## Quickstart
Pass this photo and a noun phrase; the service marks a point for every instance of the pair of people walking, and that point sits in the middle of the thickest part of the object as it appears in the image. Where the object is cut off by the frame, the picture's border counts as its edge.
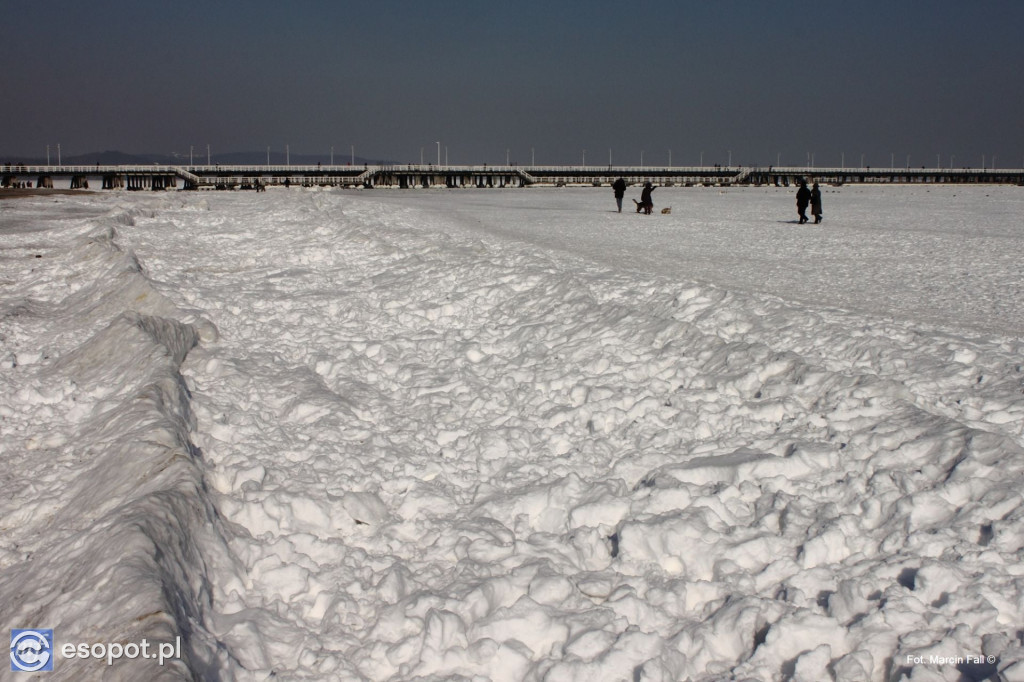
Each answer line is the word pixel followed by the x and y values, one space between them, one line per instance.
pixel 646 203
pixel 806 196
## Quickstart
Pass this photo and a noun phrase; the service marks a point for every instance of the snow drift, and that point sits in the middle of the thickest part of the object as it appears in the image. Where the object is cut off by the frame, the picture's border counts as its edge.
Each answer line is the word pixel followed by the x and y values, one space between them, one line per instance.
pixel 437 435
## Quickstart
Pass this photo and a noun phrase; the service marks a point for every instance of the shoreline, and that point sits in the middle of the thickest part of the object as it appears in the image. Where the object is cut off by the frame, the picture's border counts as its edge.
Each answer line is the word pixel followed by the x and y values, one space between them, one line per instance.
pixel 11 193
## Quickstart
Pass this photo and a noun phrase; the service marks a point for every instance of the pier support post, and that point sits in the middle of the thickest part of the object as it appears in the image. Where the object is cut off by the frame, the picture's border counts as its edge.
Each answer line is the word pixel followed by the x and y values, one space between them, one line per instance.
pixel 111 181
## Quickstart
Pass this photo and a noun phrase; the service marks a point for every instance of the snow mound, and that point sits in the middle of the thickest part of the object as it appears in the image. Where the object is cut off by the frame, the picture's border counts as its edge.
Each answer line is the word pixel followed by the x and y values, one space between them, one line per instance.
pixel 103 517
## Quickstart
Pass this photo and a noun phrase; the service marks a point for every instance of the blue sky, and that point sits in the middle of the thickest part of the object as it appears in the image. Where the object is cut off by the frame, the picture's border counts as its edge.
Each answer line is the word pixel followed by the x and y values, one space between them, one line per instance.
pixel 754 82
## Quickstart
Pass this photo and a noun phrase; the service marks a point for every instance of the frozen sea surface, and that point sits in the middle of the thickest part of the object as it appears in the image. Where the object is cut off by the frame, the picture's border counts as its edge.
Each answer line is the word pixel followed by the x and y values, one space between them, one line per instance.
pixel 940 254
pixel 512 435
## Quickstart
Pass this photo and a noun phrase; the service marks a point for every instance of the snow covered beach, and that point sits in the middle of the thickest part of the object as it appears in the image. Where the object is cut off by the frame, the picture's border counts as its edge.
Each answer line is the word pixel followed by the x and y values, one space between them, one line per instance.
pixel 514 435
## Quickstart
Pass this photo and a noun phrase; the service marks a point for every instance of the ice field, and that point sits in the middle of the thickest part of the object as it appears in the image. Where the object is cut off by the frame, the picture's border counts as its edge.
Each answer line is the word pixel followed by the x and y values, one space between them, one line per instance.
pixel 515 435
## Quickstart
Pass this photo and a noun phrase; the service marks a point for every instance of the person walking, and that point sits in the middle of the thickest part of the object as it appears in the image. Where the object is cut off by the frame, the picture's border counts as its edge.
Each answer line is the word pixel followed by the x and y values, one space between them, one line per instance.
pixel 619 187
pixel 803 197
pixel 816 203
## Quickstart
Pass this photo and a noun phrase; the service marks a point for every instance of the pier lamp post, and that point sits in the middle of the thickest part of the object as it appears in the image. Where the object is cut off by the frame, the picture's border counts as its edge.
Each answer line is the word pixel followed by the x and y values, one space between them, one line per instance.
pixel 584 158
pixel 438 153
pixel 669 158
pixel 352 158
pixel 641 158
pixel 190 156
pixel 47 155
pixel 332 156
pixel 207 154
pixel 58 155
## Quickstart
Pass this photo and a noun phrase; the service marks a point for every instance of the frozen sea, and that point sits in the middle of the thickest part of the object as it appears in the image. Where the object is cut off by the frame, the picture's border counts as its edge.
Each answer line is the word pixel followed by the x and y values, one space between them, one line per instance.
pixel 316 434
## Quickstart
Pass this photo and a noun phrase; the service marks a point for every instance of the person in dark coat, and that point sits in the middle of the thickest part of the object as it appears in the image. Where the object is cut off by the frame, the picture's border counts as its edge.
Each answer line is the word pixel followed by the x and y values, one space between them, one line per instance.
pixel 803 197
pixel 645 198
pixel 816 203
pixel 619 186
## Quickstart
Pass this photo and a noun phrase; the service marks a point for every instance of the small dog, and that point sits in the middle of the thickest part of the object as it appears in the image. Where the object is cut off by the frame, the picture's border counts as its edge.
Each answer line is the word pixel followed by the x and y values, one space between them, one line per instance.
pixel 666 210
pixel 641 207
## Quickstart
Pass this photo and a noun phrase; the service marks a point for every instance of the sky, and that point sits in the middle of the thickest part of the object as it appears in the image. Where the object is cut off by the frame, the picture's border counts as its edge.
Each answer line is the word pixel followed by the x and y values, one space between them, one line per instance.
pixel 652 82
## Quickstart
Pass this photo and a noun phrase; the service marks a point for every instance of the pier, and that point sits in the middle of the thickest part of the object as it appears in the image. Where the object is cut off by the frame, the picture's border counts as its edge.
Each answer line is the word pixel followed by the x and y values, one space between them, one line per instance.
pixel 407 176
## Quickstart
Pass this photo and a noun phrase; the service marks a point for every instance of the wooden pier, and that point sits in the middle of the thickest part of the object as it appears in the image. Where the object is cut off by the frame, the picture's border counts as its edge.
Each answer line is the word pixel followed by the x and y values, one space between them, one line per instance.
pixel 158 177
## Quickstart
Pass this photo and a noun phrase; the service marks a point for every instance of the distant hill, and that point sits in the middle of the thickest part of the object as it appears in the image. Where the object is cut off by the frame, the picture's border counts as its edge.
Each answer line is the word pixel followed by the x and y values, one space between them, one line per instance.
pixel 114 158
pixel 102 158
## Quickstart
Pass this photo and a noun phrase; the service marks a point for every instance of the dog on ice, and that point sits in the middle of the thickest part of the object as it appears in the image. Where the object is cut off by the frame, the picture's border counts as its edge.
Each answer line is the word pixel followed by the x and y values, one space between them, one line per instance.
pixel 643 207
